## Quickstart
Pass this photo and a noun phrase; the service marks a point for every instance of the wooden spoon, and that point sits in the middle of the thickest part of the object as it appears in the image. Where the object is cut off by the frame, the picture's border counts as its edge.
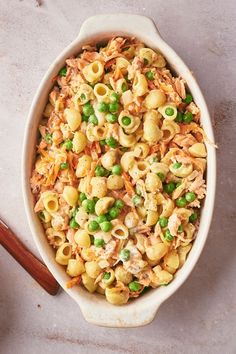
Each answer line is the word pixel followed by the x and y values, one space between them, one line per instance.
pixel 27 260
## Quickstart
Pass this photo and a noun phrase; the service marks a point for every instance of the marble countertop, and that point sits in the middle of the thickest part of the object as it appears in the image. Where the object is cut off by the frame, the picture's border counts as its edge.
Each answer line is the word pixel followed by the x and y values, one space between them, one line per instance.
pixel 201 316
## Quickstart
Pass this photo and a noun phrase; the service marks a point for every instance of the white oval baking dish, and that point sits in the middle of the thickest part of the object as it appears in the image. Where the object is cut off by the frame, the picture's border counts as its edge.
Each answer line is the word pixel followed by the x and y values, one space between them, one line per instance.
pixel 94 307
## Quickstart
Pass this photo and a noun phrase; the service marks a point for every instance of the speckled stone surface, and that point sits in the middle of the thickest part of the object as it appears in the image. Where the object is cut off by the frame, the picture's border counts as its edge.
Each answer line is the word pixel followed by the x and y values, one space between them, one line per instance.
pixel 201 316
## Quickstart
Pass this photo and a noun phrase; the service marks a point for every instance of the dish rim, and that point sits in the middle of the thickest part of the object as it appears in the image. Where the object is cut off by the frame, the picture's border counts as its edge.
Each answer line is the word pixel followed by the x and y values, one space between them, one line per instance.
pixel 143 309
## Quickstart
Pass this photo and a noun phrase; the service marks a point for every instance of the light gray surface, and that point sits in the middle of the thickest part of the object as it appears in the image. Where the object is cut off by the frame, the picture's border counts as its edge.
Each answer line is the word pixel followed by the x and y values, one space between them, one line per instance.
pixel 201 316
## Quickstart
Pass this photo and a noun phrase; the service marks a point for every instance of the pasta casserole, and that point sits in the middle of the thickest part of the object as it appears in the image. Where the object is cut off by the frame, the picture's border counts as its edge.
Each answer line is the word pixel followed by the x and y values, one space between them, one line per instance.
pixel 118 179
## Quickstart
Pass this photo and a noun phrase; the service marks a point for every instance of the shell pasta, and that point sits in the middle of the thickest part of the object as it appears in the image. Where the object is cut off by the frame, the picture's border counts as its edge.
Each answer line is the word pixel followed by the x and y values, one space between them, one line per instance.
pixel 118 179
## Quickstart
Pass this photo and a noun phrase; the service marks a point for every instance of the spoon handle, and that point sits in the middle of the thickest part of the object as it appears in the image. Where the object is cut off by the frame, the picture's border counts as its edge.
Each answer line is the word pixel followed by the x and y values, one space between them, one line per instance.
pixel 27 260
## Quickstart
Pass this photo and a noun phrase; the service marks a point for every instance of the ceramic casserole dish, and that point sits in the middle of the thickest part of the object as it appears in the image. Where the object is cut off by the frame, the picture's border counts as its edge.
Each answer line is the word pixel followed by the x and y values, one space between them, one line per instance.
pixel 94 307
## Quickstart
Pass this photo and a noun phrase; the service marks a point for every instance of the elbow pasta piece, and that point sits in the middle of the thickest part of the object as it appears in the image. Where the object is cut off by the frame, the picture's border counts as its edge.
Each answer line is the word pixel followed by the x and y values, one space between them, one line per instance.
pixel 164 109
pixel 152 217
pixel 79 142
pixel 152 182
pixel 140 86
pixel 99 187
pixel 64 253
pixel 125 139
pixel 93 71
pixel 139 170
pixel 198 150
pixel 157 251
pixel 70 194
pixel 92 269
pixel 101 92
pixel 141 150
pixel 55 238
pixel 73 118
pixel 117 295
pixel 155 99
pixel 123 275
pixel 108 159
pixel 131 220
pixel 75 267
pixel 183 171
pixel 115 182
pixel 122 64
pixel 103 205
pixel 84 94
pixel 127 160
pixel 50 201
pixel 83 166
pixel 169 129
pixel 113 158
pixel 82 238
pixel 120 231
pixel 89 283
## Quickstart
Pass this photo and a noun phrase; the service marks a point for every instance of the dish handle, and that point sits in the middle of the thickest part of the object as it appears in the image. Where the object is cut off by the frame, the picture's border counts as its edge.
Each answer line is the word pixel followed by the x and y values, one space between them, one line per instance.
pixel 136 25
pixel 134 314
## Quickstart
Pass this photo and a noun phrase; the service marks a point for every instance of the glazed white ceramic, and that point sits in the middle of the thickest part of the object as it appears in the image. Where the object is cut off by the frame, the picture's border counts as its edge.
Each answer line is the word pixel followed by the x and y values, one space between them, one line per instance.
pixel 94 307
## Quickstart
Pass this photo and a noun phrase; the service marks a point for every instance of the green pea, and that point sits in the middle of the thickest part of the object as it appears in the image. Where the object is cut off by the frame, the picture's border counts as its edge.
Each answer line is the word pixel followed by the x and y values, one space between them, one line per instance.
pixel 114 97
pixel 113 107
pixel 126 120
pixel 102 142
pixel 87 109
pixel 178 184
pixel 188 98
pixel 84 118
pixel 82 197
pixel 163 221
pixel 190 197
pixel 111 118
pixel 180 228
pixel 101 218
pixel 193 217
pixel 82 97
pixel 168 236
pixel 169 111
pixel 106 226
pixel 111 142
pixel 74 224
pixel 124 255
pixel 134 286
pixel 179 117
pixel 124 87
pixel 181 202
pixel 100 171
pixel 119 204
pixel 68 144
pixel 89 206
pixel 145 61
pixel 106 275
pixel 63 72
pixel 149 75
pixel 64 166
pixel 177 165
pixel 93 119
pixel 169 187
pixel 187 117
pixel 137 200
pixel 93 226
pixel 161 176
pixel 48 138
pixel 116 170
pixel 99 242
pixel 108 217
pixel 103 107
pixel 114 212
